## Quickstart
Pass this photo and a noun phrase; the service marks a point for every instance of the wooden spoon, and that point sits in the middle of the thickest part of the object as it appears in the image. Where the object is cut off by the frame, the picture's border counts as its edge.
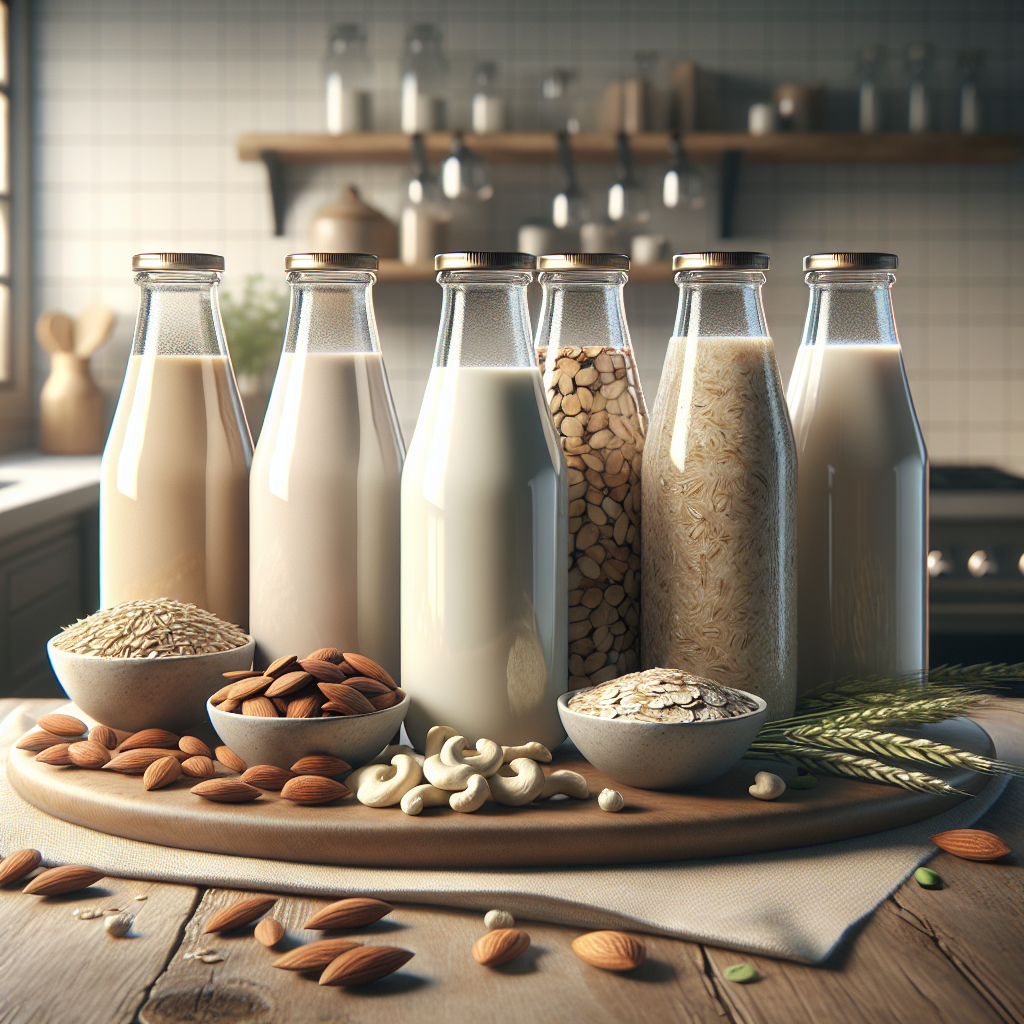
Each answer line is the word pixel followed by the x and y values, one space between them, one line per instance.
pixel 55 331
pixel 92 329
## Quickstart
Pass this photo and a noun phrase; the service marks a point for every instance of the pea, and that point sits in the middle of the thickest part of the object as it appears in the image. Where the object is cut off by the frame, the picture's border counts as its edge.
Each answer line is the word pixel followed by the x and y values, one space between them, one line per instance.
pixel 928 879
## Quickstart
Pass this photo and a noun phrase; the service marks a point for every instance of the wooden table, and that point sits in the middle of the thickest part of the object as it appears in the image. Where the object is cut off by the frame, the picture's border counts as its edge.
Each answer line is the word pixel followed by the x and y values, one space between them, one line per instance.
pixel 951 955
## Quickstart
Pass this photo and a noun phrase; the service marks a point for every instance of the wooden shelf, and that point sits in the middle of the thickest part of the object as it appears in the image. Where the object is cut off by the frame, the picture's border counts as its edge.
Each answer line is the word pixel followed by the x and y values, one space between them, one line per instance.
pixel 397 272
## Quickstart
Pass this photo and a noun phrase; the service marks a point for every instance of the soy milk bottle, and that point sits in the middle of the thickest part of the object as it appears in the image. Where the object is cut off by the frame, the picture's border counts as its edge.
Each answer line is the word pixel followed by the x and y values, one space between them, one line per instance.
pixel 484 520
pixel 324 492
pixel 174 483
pixel 863 484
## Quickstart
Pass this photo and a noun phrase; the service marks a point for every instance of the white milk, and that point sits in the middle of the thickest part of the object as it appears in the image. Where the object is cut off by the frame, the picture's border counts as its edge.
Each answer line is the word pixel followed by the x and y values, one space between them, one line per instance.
pixel 863 486
pixel 324 499
pixel 484 615
pixel 174 508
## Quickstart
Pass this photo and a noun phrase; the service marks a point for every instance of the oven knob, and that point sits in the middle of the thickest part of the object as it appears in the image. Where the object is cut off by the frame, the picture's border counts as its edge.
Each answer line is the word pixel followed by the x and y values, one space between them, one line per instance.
pixel 938 566
pixel 979 564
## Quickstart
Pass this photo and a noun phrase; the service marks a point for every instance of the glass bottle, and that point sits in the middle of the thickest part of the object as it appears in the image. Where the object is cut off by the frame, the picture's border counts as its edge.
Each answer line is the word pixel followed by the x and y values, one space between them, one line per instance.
pixel 424 81
pixel 718 536
pixel 863 495
pixel 484 614
pixel 869 107
pixel 487 108
pixel 174 485
pixel 594 395
pixel 324 489
pixel 918 108
pixel 348 77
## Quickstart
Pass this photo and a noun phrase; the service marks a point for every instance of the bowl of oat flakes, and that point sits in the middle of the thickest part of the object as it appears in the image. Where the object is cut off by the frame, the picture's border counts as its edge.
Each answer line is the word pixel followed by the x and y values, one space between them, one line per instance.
pixel 662 728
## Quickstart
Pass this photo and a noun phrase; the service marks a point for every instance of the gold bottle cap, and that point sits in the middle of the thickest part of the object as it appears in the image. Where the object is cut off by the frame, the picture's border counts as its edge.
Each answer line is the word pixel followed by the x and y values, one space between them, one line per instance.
pixel 485 261
pixel 851 261
pixel 177 261
pixel 720 261
pixel 330 261
pixel 584 261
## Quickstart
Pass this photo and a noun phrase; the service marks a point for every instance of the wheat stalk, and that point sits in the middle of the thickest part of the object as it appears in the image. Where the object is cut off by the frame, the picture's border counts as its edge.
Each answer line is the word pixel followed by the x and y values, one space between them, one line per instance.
pixel 917 711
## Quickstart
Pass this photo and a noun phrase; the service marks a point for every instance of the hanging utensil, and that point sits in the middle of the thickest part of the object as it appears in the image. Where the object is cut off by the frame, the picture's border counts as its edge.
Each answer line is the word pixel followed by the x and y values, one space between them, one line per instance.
pixel 91 330
pixel 682 182
pixel 463 174
pixel 627 200
pixel 570 207
pixel 55 331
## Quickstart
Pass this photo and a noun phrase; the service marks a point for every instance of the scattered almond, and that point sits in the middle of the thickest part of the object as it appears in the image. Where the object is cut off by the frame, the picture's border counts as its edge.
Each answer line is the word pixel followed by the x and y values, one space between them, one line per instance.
pixel 198 767
pixel 971 844
pixel 18 864
pixel 57 754
pixel 267 776
pixel 364 964
pixel 500 946
pixel 226 791
pixel 314 956
pixel 88 754
pixel 104 735
pixel 161 772
pixel 259 707
pixel 194 747
pixel 150 738
pixel 269 932
pixel 354 912
pixel 135 762
pixel 39 739
pixel 320 764
pixel 363 666
pixel 611 951
pixel 228 918
pixel 229 759
pixel 313 789
pixel 58 881
pixel 62 725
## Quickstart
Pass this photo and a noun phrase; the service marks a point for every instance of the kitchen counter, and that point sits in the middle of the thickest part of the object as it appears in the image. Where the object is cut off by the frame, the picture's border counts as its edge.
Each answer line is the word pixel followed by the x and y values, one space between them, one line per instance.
pixel 36 489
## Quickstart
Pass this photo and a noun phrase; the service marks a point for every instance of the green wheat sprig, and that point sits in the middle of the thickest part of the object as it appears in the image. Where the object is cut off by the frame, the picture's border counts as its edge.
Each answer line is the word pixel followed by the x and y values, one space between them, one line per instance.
pixel 917 711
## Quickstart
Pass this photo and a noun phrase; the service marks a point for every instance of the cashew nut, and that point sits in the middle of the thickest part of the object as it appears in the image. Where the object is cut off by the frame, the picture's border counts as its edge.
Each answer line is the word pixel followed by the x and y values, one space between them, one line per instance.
pixel 569 783
pixel 610 800
pixel 494 919
pixel 454 778
pixel 436 739
pixel 423 796
pixel 485 762
pixel 398 748
pixel 472 797
pixel 767 786
pixel 383 785
pixel 534 751
pixel 524 785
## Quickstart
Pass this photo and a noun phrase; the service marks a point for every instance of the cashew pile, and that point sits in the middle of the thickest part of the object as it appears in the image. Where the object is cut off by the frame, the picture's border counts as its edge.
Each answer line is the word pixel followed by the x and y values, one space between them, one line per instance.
pixel 450 772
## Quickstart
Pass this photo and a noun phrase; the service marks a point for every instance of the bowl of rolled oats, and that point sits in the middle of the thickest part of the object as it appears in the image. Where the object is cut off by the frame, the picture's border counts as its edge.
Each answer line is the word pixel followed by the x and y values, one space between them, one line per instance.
pixel 662 728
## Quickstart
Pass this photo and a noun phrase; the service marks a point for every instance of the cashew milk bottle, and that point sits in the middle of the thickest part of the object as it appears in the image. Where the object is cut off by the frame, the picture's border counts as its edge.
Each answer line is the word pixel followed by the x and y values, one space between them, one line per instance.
pixel 174 483
pixel 484 533
pixel 863 480
pixel 324 493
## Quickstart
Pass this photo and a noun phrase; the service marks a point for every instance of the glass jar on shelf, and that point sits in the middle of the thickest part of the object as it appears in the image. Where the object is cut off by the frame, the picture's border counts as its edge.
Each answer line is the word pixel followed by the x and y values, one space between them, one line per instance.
pixel 425 81
pixel 349 78
pixel 487 107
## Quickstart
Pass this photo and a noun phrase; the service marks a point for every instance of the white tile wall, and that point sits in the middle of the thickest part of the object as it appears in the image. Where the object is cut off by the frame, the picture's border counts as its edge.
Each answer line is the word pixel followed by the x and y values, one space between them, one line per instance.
pixel 139 102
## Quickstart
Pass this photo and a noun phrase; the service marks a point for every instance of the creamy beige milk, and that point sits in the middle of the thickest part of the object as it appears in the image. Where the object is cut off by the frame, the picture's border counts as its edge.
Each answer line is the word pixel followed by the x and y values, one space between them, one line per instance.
pixel 862 514
pixel 324 500
pixel 174 494
pixel 484 559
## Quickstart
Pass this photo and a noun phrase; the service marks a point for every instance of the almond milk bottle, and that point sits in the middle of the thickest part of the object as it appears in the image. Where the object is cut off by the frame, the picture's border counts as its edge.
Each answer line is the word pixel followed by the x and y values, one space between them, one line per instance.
pixel 324 493
pixel 174 485
pixel 484 498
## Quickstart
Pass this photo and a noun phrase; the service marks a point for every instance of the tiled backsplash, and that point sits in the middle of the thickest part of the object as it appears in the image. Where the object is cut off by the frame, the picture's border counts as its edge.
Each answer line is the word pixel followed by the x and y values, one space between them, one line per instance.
pixel 139 103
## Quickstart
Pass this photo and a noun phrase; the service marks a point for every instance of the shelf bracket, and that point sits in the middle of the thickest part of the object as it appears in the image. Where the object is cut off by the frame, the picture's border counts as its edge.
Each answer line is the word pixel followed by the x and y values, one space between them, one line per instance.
pixel 730 174
pixel 278 187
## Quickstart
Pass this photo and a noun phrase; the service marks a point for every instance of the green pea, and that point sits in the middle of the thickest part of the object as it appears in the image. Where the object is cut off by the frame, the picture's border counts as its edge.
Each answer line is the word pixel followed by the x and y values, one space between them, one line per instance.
pixel 803 782
pixel 928 879
pixel 743 974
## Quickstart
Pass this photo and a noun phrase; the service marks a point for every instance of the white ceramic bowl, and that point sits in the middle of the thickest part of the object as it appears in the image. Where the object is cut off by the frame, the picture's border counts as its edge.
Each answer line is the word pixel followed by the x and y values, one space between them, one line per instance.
pixel 143 693
pixel 282 741
pixel 661 755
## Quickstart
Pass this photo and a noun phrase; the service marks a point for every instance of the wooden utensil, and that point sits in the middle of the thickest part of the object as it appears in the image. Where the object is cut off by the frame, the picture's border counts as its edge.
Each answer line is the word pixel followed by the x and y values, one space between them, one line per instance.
pixel 92 328
pixel 55 331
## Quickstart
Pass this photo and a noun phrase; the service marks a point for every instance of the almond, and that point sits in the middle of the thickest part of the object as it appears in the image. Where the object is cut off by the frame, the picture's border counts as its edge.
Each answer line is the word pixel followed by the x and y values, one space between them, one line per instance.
pixel 241 673
pixel 346 697
pixel 282 706
pixel 194 747
pixel 288 683
pixel 363 666
pixel 323 671
pixel 162 772
pixel 267 776
pixel 313 789
pixel 228 918
pixel 229 759
pixel 314 956
pixel 281 665
pixel 259 707
pixel 320 764
pixel 62 725
pixel 247 688
pixel 386 700
pixel 88 754
pixel 224 692
pixel 355 912
pixel 198 767
pixel 971 844
pixel 104 735
pixel 229 705
pixel 366 686
pixel 499 946
pixel 150 738
pixel 58 881
pixel 18 864
pixel 226 791
pixel 611 951
pixel 331 654
pixel 135 762
pixel 39 739
pixel 307 706
pixel 269 932
pixel 57 754
pixel 364 964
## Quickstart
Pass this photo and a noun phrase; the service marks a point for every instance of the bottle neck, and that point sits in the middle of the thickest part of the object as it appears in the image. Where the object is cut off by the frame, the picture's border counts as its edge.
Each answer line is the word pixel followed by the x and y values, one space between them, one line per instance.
pixel 485 320
pixel 582 309
pixel 331 311
pixel 850 308
pixel 717 303
pixel 179 314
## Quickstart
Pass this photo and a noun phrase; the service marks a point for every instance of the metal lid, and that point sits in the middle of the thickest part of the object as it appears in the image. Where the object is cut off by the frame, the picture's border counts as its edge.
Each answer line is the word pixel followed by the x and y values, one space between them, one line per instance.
pixel 177 261
pixel 584 261
pixel 720 261
pixel 485 261
pixel 851 261
pixel 330 261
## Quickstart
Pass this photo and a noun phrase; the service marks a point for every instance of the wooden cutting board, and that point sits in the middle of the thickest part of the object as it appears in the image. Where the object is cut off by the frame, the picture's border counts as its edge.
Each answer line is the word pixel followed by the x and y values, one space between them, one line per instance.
pixel 715 820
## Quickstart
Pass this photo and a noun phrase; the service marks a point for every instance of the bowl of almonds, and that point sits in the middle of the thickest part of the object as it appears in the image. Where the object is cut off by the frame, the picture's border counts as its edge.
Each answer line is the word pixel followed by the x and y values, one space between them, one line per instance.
pixel 662 728
pixel 328 702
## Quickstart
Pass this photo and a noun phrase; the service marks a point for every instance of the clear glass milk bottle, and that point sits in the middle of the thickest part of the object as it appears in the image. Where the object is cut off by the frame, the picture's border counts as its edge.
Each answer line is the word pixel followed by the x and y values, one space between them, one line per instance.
pixel 324 490
pixel 718 579
pixel 594 395
pixel 484 613
pixel 174 486
pixel 863 493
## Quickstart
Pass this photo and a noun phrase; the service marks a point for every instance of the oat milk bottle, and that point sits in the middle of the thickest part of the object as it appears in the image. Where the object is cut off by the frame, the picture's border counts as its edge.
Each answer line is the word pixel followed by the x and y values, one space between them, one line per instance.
pixel 324 492
pixel 863 493
pixel 484 502
pixel 174 485
pixel 718 576
pixel 594 394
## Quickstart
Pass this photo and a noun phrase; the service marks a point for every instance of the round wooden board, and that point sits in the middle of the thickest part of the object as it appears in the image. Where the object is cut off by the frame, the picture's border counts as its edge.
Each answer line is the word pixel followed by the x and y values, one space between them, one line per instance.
pixel 715 820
